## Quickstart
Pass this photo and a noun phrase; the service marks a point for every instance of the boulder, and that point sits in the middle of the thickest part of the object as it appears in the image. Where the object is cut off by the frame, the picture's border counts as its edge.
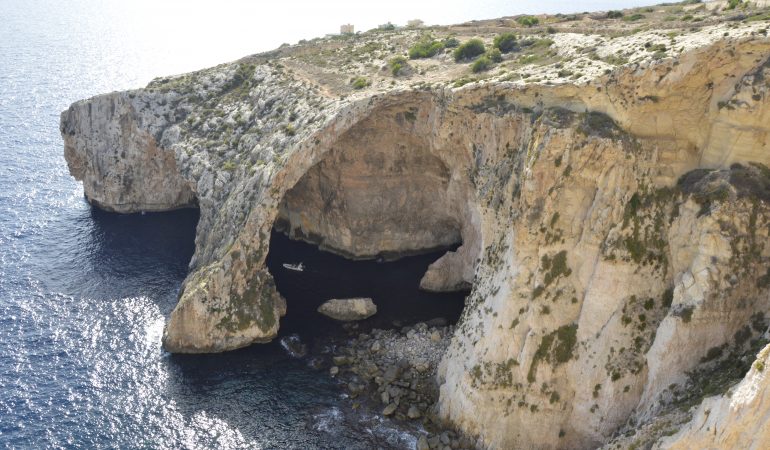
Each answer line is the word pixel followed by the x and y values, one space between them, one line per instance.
pixel 340 360
pixel 389 410
pixel 437 322
pixel 348 309
pixel 413 413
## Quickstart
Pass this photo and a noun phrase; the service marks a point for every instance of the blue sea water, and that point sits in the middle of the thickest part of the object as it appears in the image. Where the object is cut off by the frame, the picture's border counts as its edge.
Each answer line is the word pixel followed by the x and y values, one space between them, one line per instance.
pixel 84 294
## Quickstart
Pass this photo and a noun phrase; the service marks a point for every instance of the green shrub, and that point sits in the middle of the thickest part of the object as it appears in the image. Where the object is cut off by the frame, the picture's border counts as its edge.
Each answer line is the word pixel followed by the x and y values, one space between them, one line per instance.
pixel 614 14
pixel 451 42
pixel 494 55
pixel 759 16
pixel 732 4
pixel 425 48
pixel 229 166
pixel 463 81
pixel 536 43
pixel 615 60
pixel 633 17
pixel 668 297
pixel 396 64
pixel 556 348
pixel 469 49
pixel 712 354
pixel 360 83
pixel 528 21
pixel 685 313
pixel 654 47
pixel 649 304
pixel 505 42
pixel 555 267
pixel 528 59
pixel 481 64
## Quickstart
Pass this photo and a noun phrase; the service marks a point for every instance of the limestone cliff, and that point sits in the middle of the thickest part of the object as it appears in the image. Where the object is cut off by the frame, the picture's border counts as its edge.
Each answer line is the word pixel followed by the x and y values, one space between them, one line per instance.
pixel 607 182
pixel 738 419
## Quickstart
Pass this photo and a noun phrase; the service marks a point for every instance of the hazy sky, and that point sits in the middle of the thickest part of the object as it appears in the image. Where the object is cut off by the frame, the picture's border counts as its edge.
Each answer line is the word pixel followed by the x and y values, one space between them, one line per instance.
pixel 229 29
pixel 290 21
pixel 147 38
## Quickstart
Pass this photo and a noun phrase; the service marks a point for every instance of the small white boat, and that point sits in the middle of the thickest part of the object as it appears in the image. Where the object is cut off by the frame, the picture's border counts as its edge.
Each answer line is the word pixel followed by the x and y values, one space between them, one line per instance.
pixel 296 267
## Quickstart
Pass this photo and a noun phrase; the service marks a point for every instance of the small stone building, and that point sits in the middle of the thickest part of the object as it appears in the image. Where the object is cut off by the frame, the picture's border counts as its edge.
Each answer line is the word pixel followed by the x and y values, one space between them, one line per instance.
pixel 416 23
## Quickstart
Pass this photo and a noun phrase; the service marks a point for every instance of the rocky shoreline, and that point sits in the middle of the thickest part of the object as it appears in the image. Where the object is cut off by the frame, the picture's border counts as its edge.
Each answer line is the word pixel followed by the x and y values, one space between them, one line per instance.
pixel 394 371
pixel 608 178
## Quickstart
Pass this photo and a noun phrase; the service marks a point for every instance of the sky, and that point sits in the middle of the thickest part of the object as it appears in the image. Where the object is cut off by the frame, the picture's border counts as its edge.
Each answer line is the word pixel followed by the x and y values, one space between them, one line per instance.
pixel 132 41
pixel 230 29
pixel 289 21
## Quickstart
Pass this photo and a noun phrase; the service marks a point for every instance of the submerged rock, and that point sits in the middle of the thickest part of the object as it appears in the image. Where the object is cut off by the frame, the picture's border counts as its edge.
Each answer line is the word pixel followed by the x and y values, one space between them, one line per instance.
pixel 316 363
pixel 294 346
pixel 347 309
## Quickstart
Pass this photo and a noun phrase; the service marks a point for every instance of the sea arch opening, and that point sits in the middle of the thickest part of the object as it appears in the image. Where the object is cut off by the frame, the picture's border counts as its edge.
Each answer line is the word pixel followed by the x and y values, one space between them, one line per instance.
pixel 384 213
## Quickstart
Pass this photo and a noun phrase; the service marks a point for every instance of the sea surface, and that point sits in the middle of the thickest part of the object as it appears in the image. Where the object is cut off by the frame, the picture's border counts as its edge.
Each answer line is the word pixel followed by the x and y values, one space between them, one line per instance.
pixel 84 294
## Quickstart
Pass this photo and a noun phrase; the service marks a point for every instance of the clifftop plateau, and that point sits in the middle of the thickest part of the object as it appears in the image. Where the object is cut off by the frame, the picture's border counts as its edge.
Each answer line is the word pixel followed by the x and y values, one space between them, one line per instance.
pixel 606 175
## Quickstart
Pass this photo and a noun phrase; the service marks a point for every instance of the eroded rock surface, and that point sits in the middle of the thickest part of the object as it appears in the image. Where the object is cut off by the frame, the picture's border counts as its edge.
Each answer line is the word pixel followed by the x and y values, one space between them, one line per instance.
pixel 613 221
pixel 111 145
pixel 738 419
pixel 348 309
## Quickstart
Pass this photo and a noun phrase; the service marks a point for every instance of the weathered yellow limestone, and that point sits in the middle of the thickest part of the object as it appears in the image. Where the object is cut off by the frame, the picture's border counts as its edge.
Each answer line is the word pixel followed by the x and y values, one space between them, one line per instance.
pixel 596 283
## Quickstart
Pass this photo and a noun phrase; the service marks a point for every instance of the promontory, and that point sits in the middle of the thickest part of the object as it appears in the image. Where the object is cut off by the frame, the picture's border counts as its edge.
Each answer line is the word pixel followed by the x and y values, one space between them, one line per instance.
pixel 605 175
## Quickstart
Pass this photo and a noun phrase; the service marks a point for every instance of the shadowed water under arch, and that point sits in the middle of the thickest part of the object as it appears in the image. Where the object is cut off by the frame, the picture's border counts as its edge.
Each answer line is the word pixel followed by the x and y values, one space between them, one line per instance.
pixel 392 285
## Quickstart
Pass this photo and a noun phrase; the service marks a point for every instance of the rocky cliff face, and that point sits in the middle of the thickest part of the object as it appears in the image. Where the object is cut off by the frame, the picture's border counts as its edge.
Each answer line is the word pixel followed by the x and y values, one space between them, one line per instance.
pixel 614 225
pixel 111 145
pixel 737 419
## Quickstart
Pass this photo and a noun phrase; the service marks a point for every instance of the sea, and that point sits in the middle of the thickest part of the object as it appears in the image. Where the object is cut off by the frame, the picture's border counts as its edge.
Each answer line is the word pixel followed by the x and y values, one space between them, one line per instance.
pixel 84 294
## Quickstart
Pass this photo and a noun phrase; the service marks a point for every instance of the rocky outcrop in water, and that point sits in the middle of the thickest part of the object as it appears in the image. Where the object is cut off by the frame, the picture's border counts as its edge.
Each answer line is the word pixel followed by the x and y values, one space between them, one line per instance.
pixel 607 182
pixel 348 309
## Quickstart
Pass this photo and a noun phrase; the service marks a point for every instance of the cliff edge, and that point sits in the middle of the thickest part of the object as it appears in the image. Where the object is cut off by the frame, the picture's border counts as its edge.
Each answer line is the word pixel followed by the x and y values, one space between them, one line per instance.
pixel 606 175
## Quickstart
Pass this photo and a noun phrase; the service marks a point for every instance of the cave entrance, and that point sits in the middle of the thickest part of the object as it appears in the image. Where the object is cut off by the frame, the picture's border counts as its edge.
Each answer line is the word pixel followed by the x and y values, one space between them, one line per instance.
pixel 392 285
pixel 370 219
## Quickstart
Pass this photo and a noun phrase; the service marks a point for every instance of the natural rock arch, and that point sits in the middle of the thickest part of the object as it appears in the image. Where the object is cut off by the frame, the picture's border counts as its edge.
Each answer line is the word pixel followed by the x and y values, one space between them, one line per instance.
pixel 388 157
